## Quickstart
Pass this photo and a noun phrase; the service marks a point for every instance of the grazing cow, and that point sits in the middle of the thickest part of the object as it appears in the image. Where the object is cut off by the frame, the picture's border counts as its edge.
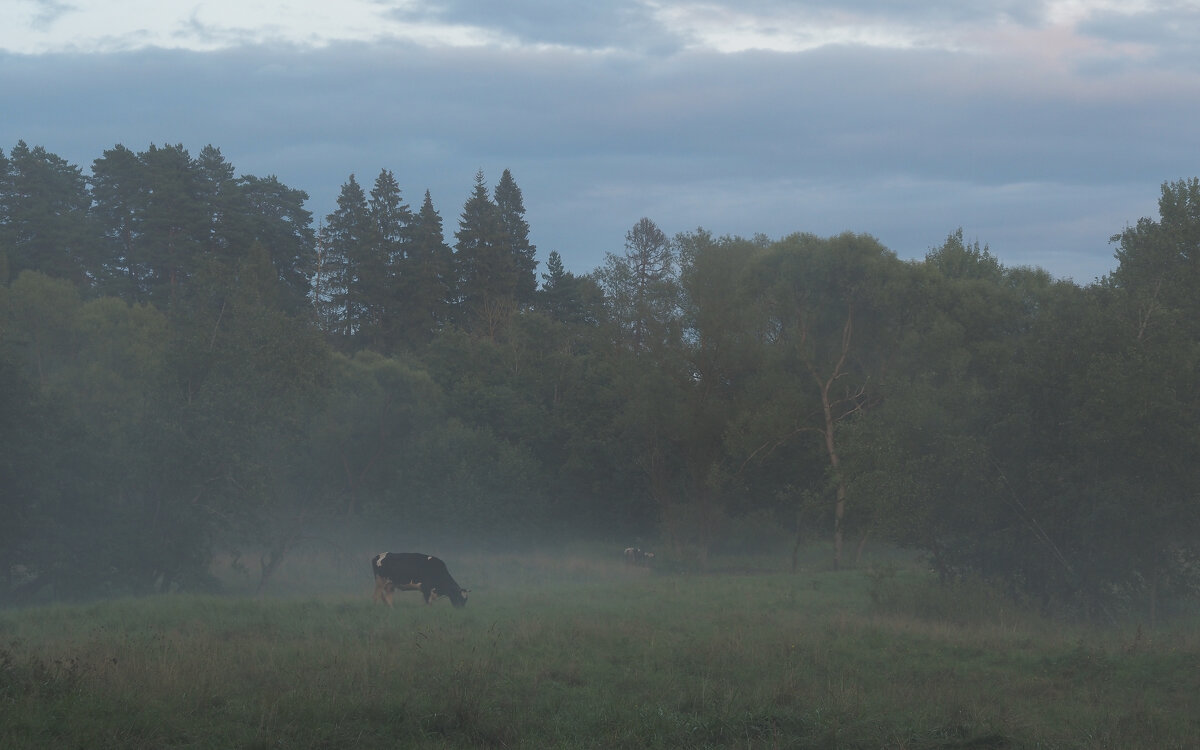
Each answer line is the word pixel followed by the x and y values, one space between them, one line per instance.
pixel 638 556
pixel 413 571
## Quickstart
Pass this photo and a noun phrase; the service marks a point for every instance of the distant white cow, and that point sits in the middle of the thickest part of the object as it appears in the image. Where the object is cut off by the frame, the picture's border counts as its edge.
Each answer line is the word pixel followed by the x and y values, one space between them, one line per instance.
pixel 637 556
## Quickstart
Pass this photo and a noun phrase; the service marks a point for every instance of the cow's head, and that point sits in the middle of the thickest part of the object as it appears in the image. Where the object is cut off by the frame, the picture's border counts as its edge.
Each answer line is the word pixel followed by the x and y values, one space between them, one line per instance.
pixel 457 598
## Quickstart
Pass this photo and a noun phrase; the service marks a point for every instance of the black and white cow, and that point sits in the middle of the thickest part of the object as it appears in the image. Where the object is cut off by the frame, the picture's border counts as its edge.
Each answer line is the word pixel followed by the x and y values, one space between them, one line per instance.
pixel 414 571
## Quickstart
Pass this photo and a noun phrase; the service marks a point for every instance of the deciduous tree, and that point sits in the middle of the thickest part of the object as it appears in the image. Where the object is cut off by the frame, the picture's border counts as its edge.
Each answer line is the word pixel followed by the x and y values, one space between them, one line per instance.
pixel 641 289
pixel 829 325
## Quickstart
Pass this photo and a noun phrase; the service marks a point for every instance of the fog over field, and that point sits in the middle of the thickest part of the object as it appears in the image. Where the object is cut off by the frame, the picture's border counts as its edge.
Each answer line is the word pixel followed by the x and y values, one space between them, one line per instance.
pixel 572 649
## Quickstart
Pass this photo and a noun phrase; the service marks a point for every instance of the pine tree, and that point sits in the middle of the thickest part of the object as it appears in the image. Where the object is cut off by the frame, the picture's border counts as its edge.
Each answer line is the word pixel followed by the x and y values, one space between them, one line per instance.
pixel 218 191
pixel 175 219
pixel 154 219
pixel 43 210
pixel 159 217
pixel 273 214
pixel 118 211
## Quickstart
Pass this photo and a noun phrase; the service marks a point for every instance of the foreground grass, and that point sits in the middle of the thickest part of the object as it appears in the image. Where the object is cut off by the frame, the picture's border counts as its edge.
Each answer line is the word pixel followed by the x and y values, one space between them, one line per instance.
pixel 553 653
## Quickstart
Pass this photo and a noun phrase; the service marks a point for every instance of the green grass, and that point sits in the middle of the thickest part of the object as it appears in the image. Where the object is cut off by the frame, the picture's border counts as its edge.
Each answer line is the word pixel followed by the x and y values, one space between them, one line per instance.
pixel 581 652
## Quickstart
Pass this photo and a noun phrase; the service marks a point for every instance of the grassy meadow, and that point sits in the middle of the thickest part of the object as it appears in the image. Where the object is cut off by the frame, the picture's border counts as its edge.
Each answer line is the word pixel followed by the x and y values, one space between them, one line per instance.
pixel 576 650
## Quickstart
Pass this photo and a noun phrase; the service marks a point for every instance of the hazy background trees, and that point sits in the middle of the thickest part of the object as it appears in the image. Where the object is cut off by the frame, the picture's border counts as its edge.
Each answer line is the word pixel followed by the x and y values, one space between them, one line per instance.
pixel 190 366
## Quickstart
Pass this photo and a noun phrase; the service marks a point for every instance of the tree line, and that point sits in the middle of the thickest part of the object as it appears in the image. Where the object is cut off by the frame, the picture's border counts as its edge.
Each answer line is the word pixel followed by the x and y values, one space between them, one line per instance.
pixel 190 366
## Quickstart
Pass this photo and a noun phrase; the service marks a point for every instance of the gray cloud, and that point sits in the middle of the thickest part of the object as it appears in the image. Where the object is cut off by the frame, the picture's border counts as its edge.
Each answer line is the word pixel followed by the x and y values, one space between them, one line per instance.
pixel 914 12
pixel 1168 37
pixel 623 24
pixel 904 144
pixel 48 11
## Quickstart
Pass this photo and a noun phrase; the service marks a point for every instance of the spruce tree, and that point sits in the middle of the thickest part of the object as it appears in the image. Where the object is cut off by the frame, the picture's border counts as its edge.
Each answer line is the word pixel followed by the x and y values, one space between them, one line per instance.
pixel 347 235
pixel 390 216
pixel 390 220
pixel 427 282
pixel 516 229
pixel 486 273
pixel 566 297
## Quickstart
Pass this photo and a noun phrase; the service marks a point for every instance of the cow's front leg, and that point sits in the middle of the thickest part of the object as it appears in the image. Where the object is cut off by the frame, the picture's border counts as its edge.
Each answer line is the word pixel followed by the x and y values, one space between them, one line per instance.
pixel 384 588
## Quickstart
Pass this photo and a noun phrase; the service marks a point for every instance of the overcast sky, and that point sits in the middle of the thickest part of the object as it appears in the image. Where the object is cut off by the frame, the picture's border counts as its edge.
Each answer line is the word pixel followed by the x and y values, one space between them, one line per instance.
pixel 1040 128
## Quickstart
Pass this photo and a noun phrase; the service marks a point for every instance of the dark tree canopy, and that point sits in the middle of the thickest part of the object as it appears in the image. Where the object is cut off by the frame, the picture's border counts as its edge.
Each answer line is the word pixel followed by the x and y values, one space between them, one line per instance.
pixel 191 367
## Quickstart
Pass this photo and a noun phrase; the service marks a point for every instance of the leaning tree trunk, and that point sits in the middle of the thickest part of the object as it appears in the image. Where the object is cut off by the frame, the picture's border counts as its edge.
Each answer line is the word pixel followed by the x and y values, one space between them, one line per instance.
pixel 839 507
pixel 847 406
